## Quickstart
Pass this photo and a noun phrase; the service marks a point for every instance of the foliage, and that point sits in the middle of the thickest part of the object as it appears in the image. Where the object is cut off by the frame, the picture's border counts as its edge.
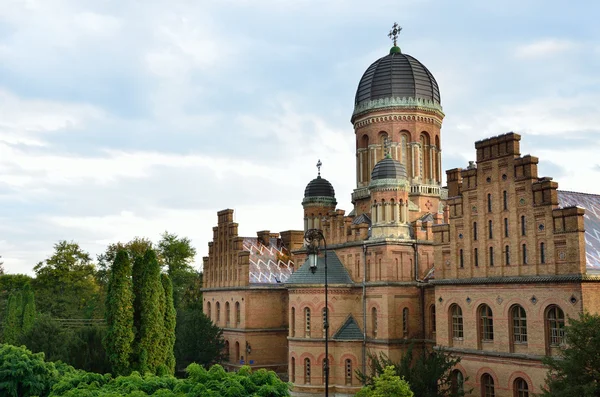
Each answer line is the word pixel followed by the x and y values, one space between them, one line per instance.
pixel 48 336
pixel 119 315
pixel 86 349
pixel 13 319
pixel 1 266
pixel 198 339
pixel 429 373
pixel 170 318
pixel 151 313
pixel 177 254
pixel 24 374
pixel 29 312
pixel 387 384
pixel 134 248
pixel 577 371
pixel 65 284
pixel 10 283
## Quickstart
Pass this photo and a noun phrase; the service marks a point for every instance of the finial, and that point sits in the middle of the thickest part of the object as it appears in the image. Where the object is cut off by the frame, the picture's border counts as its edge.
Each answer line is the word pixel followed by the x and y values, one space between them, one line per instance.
pixel 393 35
pixel 319 164
pixel 387 143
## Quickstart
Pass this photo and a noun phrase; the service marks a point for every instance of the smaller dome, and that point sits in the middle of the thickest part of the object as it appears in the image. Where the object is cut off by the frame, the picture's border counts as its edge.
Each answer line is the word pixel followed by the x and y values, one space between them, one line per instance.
pixel 319 187
pixel 388 168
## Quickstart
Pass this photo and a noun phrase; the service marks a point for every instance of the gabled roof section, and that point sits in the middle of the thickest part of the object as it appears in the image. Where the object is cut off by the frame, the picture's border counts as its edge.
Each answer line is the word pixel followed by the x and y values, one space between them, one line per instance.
pixel 362 218
pixel 336 272
pixel 270 264
pixel 591 220
pixel 349 331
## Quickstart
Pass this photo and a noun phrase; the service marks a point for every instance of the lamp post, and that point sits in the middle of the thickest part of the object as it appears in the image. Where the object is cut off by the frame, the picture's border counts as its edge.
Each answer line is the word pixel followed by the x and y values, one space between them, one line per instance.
pixel 313 238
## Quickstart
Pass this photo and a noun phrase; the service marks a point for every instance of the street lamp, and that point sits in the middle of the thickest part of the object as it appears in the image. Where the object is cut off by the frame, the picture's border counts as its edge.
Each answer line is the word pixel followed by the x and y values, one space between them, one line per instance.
pixel 313 238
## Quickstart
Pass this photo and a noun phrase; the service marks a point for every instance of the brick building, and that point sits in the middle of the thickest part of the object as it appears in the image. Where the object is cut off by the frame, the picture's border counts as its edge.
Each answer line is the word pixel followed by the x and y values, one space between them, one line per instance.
pixel 513 257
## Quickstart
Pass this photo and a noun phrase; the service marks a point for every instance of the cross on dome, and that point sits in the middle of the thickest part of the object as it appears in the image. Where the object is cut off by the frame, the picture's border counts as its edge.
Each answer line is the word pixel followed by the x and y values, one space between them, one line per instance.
pixel 393 35
pixel 319 164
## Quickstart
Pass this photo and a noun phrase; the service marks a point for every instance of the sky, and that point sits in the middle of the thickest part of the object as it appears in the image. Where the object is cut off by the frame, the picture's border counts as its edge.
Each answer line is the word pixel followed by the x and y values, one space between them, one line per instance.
pixel 123 118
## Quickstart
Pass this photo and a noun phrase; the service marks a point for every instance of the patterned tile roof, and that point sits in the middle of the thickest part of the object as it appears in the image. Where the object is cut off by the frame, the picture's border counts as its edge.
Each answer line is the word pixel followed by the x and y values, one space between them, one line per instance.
pixel 591 203
pixel 268 264
pixel 336 272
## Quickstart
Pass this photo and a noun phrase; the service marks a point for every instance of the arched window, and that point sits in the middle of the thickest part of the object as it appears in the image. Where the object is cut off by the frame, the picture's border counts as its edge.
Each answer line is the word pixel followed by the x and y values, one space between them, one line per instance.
pixel 374 321
pixel 487 386
pixel 524 251
pixel 432 320
pixel 404 160
pixel 491 256
pixel 238 313
pixel 457 381
pixel 293 370
pixel 457 321
pixel 307 322
pixel 227 314
pixel 461 258
pixel 505 199
pixel 218 313
pixel 237 352
pixel 490 229
pixel 307 371
pixel 474 230
pixel 226 348
pixel 293 322
pixel 507 255
pixel 523 225
pixel 489 202
pixel 405 322
pixel 519 324
pixel 208 311
pixel 520 388
pixel 476 256
pixel 555 323
pixel 348 368
pixel 486 323
pixel 505 227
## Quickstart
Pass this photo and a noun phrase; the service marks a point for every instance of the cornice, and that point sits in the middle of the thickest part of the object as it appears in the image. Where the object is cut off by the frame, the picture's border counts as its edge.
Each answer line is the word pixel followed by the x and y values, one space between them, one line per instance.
pixel 561 278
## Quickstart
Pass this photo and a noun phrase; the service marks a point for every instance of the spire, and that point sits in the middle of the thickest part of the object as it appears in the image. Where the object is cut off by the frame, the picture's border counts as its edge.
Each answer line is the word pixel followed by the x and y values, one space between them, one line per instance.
pixel 393 35
pixel 319 164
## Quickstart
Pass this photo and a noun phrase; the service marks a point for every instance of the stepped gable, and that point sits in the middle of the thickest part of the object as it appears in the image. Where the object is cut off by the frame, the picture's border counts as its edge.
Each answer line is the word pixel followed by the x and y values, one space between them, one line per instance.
pixel 591 204
pixel 336 272
pixel 268 264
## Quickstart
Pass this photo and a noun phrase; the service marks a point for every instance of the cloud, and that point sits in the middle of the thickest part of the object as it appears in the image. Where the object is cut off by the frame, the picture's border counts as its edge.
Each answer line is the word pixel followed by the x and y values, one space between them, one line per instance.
pixel 543 48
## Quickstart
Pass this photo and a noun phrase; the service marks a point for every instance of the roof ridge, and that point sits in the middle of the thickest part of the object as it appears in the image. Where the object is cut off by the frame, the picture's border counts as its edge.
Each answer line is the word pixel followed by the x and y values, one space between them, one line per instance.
pixel 573 191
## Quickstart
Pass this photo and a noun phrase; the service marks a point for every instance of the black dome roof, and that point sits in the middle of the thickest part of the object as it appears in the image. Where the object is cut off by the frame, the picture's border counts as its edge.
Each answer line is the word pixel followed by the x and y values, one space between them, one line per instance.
pixel 319 187
pixel 388 168
pixel 397 75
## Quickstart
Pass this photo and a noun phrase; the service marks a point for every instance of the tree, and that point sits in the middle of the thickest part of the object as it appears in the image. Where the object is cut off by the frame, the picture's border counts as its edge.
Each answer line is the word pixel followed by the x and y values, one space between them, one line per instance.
pixel 50 337
pixel 177 254
pixel 13 319
pixel 198 339
pixel 29 312
pixel 134 248
pixel 387 384
pixel 119 315
pixel 151 320
pixel 577 370
pixel 429 373
pixel 1 266
pixel 65 284
pixel 170 318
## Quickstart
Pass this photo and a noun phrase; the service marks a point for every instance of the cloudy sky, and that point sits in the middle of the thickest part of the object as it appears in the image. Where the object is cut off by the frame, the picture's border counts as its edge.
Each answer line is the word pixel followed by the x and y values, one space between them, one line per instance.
pixel 123 118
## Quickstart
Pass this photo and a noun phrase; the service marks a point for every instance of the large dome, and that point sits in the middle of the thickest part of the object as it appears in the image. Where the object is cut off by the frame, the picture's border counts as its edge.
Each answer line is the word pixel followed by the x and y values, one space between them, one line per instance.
pixel 388 168
pixel 395 76
pixel 319 187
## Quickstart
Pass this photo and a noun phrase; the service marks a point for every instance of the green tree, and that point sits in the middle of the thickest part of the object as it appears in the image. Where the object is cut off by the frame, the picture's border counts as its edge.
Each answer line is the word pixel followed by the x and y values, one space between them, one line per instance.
pixel 170 318
pixel 50 337
pixel 576 372
pixel 198 339
pixel 119 315
pixel 134 248
pixel 13 319
pixel 65 284
pixel 1 266
pixel 10 283
pixel 29 313
pixel 387 384
pixel 429 372
pixel 151 319
pixel 177 255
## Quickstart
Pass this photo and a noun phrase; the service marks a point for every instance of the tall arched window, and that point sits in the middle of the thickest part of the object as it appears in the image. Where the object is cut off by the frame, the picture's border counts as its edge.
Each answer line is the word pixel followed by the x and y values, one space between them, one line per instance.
pixel 489 202
pixel 505 227
pixel 348 368
pixel 293 370
pixel 307 371
pixel 227 314
pixel 524 251
pixel 491 256
pixel 476 256
pixel 555 324
pixel 208 311
pixel 505 199
pixel 238 313
pixel 374 322
pixel 404 159
pixel 457 381
pixel 405 322
pixel 432 320
pixel 457 321
pixel 520 388
pixel 542 253
pixel 486 323
pixel 461 258
pixel 293 322
pixel 474 230
pixel 307 322
pixel 507 255
pixel 218 313
pixel 237 352
pixel 226 348
pixel 487 386
pixel 519 324
pixel 490 229
pixel 523 225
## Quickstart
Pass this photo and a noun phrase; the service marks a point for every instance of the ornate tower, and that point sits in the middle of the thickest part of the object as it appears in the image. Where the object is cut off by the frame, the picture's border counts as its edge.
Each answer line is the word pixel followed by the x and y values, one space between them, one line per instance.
pixel 319 199
pixel 398 99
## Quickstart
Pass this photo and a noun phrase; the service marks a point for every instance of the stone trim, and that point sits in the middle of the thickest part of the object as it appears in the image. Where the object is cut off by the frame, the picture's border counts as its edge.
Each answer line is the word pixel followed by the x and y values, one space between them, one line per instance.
pixel 254 330
pixel 398 102
pixel 474 352
pixel 251 287
pixel 568 278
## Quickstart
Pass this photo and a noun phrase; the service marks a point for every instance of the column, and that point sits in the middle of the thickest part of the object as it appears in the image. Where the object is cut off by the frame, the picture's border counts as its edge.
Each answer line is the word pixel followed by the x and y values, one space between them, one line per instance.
pixel 361 156
pixel 412 153
pixel 431 154
pixel 406 219
pixel 439 164
pixel 388 212
pixel 397 212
